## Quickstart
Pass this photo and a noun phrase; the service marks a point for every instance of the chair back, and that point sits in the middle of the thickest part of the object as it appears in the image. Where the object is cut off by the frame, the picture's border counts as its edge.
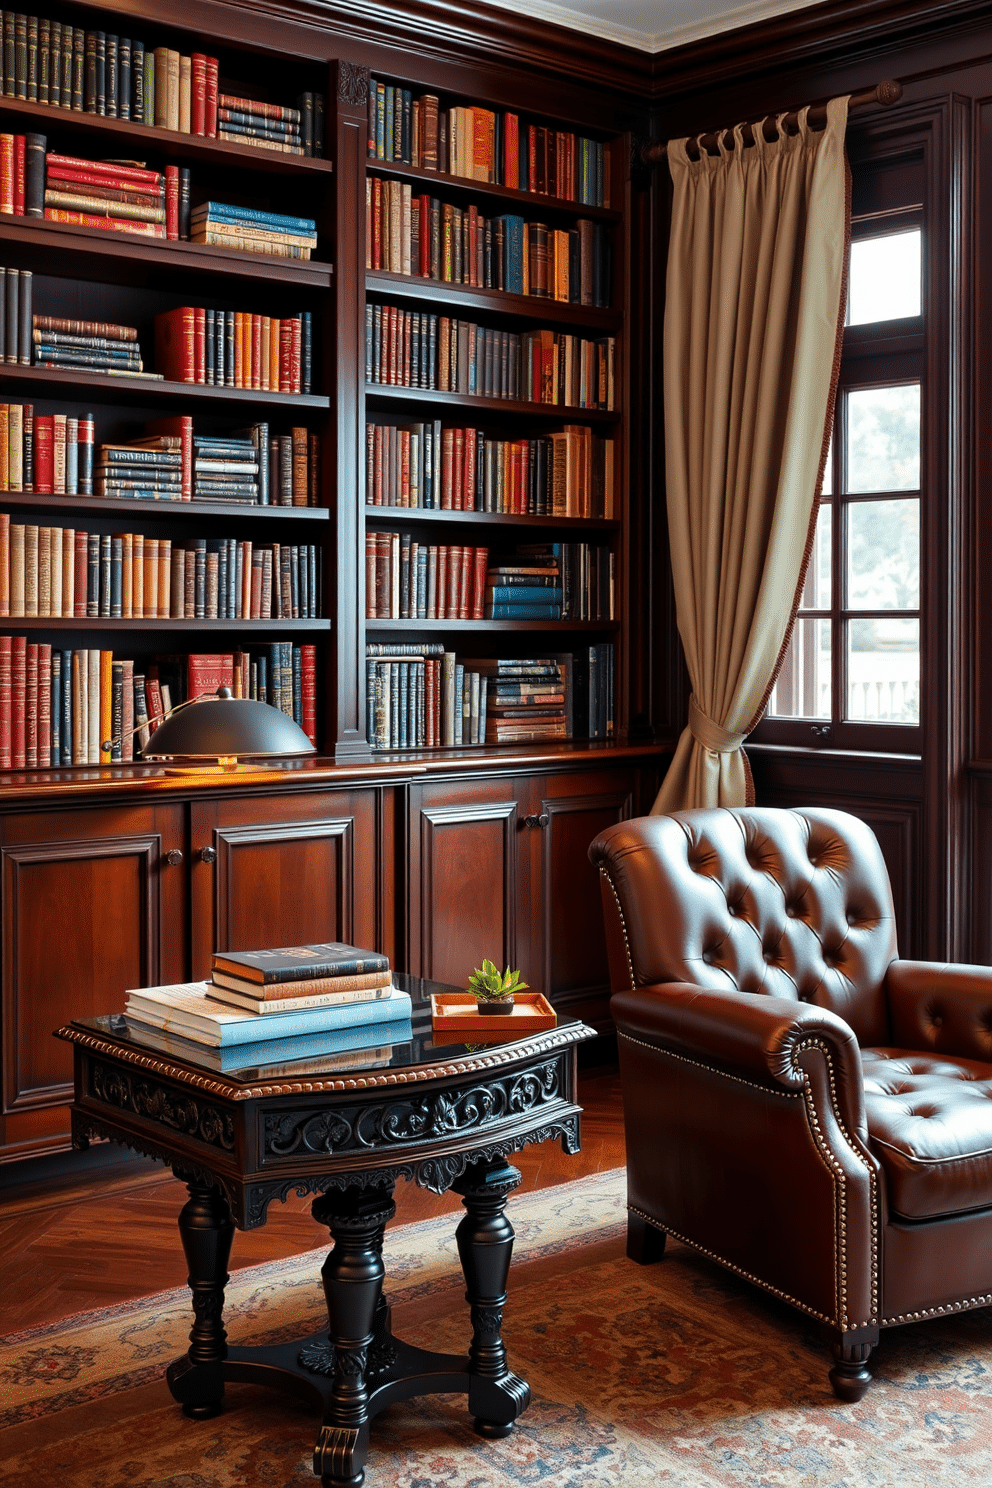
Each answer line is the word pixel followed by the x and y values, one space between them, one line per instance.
pixel 789 903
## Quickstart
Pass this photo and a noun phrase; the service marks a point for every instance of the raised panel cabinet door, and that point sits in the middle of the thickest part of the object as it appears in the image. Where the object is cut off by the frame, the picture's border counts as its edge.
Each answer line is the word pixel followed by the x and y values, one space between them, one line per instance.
pixel 465 885
pixel 572 811
pixel 284 870
pixel 92 906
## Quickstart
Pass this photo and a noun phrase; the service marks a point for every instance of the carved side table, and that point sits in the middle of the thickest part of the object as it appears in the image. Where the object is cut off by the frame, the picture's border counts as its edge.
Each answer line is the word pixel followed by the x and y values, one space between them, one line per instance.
pixel 445 1117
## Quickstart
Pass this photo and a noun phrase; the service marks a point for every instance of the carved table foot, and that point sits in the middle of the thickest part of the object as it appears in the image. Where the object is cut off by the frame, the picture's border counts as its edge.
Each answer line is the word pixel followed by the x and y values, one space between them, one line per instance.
pixel 206 1230
pixel 485 1244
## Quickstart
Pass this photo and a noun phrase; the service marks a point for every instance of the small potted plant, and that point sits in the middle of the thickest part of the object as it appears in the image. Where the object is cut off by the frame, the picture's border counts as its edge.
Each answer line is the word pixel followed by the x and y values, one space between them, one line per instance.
pixel 494 989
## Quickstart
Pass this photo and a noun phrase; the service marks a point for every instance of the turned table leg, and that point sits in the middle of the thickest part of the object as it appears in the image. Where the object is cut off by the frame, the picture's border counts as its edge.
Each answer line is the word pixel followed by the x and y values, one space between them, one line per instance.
pixel 352 1278
pixel 206 1230
pixel 485 1244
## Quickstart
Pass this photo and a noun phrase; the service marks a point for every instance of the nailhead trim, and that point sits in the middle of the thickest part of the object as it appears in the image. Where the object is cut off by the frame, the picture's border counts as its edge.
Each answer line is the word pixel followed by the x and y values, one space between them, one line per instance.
pixel 729 1266
pixel 967 1304
pixel 623 927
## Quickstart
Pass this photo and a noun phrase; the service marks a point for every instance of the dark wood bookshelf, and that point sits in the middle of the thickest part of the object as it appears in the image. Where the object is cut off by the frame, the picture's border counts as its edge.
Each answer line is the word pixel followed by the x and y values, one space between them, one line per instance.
pixel 169 510
pixel 537 308
pixel 382 392
pixel 106 389
pixel 131 625
pixel 438 627
pixel 529 203
pixel 430 514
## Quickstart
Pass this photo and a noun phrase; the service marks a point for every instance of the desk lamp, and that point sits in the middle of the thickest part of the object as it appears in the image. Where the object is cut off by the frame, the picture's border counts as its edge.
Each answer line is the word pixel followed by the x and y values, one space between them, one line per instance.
pixel 207 735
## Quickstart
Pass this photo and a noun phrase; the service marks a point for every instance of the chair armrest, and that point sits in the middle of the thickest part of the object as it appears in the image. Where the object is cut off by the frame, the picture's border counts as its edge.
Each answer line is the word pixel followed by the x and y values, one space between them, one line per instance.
pixel 770 1041
pixel 946 1008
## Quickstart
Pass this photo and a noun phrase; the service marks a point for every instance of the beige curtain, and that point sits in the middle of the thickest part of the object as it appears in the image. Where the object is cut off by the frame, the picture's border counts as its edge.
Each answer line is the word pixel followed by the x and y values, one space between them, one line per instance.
pixel 753 321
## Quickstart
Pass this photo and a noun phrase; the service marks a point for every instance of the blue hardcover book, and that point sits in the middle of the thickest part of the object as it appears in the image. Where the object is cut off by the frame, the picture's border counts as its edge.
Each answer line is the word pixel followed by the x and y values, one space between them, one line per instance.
pixel 518 594
pixel 367 1044
pixel 513 249
pixel 221 212
pixel 185 1008
pixel 525 612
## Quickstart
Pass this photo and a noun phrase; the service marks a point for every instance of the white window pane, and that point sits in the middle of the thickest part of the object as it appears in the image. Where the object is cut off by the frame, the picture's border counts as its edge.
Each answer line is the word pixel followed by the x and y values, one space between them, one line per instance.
pixel 884 279
pixel 883 671
pixel 827 489
pixel 883 555
pixel 816 590
pixel 802 688
pixel 883 438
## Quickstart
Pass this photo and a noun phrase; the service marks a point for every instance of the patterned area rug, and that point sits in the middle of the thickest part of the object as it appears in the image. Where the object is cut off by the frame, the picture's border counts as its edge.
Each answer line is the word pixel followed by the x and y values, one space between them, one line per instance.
pixel 675 1373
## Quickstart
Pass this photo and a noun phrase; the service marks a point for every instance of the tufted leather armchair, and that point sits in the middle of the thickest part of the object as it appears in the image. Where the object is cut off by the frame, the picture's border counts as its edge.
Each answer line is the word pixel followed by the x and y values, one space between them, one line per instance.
pixel 800 1104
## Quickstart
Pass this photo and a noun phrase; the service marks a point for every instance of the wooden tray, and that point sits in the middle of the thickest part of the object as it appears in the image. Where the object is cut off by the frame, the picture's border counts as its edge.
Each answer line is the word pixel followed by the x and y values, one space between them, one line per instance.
pixel 455 1012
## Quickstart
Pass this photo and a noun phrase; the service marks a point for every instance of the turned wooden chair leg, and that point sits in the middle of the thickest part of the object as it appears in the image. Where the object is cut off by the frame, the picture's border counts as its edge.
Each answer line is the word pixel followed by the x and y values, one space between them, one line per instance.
pixel 850 1375
pixel 645 1241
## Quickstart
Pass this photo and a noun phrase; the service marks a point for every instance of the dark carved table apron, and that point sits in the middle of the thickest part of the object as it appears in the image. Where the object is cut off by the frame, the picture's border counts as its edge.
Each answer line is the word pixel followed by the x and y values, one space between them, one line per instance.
pixel 346 1139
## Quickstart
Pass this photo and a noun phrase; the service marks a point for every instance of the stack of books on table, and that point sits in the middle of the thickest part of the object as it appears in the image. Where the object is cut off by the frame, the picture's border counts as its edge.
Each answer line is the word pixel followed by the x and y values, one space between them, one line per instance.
pixel 249 230
pixel 268 1006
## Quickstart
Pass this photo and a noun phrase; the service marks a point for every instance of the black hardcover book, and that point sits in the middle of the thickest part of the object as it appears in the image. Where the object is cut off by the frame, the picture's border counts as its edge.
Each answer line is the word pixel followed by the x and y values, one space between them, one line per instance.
pixel 229 348
pixel 20 55
pixel 11 337
pixel 106 565
pixel 138 80
pixel 184 201
pixel 124 78
pixel 35 146
pixel 8 53
pixel 110 76
pixel 32 94
pixel 44 57
pixel 24 318
pixel 305 105
pixel 55 65
pixel 93 574
pixel 318 125
pixel 100 76
pixel 89 89
pixel 78 68
pixel 68 45
pixel 116 702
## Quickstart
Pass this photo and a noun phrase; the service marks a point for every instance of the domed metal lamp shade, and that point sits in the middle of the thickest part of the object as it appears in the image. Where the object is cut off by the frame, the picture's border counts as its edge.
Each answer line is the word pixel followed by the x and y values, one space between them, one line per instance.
pixel 210 733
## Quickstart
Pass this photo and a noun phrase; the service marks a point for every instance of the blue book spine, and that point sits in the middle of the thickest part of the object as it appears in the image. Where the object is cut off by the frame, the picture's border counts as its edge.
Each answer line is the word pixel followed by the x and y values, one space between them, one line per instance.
pixel 516 595
pixel 255 1027
pixel 514 241
pixel 314 1045
pixel 222 213
pixel 55 747
pixel 525 612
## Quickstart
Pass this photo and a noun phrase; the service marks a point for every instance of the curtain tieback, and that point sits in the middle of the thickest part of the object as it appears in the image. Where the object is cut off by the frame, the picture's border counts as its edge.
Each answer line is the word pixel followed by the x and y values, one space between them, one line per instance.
pixel 709 734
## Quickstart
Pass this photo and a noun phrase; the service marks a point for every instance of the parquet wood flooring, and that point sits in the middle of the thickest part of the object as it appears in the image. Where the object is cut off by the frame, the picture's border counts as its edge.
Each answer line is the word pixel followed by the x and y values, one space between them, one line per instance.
pixel 112 1237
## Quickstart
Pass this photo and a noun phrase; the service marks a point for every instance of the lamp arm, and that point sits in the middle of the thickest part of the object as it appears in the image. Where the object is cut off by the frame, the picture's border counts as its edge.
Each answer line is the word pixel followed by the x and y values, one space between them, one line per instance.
pixel 176 708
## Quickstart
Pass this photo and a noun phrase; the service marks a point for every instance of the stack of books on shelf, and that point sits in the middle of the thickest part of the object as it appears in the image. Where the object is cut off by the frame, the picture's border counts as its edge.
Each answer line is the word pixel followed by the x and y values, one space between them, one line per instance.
pixel 149 469
pixel 266 125
pixel 87 346
pixel 485 145
pixel 79 707
pixel 235 348
pixel 225 469
pixel 410 580
pixel 526 699
pixel 413 348
pixel 422 697
pixel 105 194
pixel 273 1005
pixel 16 300
pixel 249 230
pixel 433 239
pixel 517 589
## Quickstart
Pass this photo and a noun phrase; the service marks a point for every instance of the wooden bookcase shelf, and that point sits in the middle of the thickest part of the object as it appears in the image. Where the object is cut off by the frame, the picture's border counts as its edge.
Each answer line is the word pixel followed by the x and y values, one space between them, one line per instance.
pixel 178 511
pixel 439 627
pixel 377 393
pixel 462 297
pixel 418 514
pixel 83 623
pixel 527 203
pixel 103 389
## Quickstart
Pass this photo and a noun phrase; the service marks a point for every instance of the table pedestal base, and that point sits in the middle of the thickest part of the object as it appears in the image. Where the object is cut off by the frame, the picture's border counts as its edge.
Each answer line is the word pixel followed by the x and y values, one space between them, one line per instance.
pixel 357 1367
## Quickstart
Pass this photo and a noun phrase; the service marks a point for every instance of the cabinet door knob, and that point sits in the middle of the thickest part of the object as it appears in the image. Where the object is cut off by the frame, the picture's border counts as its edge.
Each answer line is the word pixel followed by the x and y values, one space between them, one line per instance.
pixel 208 855
pixel 174 856
pixel 537 821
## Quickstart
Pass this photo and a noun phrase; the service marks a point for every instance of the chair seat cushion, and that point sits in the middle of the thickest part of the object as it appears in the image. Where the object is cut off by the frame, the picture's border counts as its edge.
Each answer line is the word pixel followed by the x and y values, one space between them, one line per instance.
pixel 930 1126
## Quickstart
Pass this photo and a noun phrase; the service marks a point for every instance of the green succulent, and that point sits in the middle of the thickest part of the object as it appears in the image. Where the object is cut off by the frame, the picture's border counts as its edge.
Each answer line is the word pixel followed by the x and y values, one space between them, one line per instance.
pixel 492 985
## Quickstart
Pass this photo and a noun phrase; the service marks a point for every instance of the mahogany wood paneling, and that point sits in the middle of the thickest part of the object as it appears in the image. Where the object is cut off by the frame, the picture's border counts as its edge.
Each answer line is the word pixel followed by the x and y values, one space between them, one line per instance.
pixel 465 882
pixel 91 907
pixel 282 871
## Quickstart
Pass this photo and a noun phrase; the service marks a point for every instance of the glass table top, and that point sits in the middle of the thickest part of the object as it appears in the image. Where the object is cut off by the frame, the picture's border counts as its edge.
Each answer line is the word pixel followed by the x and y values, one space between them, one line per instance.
pixel 377 1048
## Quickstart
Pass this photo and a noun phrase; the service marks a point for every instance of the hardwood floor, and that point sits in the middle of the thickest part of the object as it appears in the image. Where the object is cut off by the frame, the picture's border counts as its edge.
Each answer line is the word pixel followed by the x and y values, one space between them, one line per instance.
pixel 112 1236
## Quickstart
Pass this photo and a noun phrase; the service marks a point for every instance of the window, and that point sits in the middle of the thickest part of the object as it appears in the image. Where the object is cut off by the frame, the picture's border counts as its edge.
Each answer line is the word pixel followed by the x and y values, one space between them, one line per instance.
pixel 851 676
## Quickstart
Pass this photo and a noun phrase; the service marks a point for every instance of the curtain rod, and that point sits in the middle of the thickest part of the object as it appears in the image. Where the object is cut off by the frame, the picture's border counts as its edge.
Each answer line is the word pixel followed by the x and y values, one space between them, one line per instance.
pixel 885 93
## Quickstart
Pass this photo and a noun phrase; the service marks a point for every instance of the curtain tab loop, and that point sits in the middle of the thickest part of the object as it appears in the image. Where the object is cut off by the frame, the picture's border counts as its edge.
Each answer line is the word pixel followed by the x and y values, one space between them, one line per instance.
pixel 709 734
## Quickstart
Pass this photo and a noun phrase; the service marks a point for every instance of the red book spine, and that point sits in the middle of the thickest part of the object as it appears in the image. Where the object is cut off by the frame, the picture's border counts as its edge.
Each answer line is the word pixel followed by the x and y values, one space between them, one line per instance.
pixel 18 691
pixel 285 356
pixel 207 673
pixel 172 202
pixel 80 565
pixel 55 175
pixel 181 424
pixel 468 485
pixel 210 98
pixel 256 351
pixel 18 175
pixel 532 157
pixel 425 237
pixel 105 224
pixel 480 565
pixel 511 139
pixel 441 602
pixel 174 337
pixel 466 558
pixel 127 172
pixel 296 326
pixel 6 173
pixel 6 733
pixel 200 345
pixel 31 705
pixel 44 705
pixel 376 223
pixel 198 93
pixel 44 454
pixel 308 692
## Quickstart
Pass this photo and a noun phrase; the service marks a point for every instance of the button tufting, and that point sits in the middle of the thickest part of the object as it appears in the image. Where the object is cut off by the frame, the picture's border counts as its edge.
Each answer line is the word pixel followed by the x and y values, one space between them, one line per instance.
pixel 937 1021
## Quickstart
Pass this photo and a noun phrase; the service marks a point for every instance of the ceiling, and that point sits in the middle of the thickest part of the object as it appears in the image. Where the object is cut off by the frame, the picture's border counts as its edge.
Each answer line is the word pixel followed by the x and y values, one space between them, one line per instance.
pixel 653 25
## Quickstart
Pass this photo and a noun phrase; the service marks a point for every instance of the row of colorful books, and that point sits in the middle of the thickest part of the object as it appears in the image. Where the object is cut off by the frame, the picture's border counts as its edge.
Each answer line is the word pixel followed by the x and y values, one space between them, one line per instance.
pixel 235 348
pixel 551 581
pixel 407 580
pixel 421 349
pixel 65 573
pixel 569 474
pixel 86 707
pixel 485 145
pixel 561 695
pixel 431 239
pixel 425 700
pixel 260 1007
pixel 99 72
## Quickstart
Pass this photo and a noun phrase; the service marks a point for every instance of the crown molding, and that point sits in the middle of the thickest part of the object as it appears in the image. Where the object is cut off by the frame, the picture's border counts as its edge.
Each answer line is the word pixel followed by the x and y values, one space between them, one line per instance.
pixel 737 16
